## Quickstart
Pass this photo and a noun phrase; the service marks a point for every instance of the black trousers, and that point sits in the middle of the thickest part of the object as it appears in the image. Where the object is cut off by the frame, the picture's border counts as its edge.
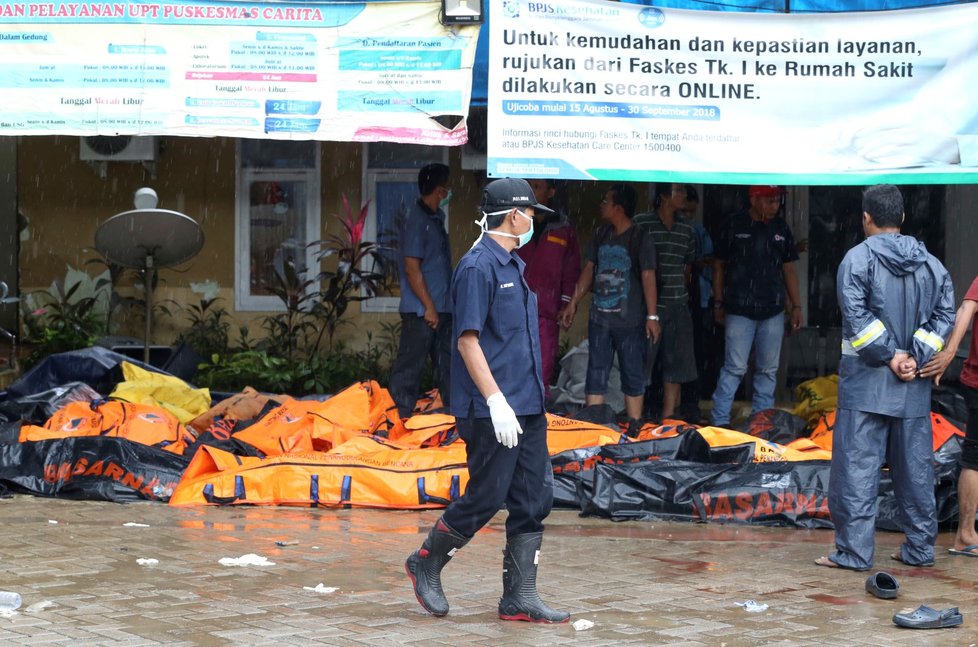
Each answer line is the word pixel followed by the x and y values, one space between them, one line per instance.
pixel 520 478
pixel 420 341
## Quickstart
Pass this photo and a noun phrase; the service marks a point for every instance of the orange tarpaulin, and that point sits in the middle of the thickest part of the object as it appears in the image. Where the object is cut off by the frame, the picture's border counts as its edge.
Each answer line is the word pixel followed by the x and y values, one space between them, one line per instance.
pixel 310 425
pixel 941 430
pixel 141 423
pixel 764 450
pixel 362 473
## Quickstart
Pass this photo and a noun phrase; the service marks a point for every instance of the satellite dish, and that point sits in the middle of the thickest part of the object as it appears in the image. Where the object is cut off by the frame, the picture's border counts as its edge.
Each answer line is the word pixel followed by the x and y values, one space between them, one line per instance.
pixel 164 237
pixel 148 239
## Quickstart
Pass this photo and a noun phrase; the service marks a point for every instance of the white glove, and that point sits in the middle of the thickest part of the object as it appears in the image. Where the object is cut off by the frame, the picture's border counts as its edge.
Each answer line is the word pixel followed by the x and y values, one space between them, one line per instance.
pixel 504 421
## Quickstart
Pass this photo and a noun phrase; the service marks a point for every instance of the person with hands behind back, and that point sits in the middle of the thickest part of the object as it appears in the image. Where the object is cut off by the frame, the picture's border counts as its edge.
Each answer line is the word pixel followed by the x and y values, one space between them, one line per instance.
pixel 897 306
pixel 497 401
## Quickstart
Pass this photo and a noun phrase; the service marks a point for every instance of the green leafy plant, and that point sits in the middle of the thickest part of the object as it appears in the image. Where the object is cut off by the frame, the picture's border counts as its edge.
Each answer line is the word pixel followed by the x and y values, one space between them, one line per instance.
pixel 288 331
pixel 209 331
pixel 255 368
pixel 61 321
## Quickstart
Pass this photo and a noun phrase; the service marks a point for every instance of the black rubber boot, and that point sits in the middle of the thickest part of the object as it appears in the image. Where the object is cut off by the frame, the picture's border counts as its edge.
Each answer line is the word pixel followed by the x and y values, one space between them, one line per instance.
pixel 520 599
pixel 425 564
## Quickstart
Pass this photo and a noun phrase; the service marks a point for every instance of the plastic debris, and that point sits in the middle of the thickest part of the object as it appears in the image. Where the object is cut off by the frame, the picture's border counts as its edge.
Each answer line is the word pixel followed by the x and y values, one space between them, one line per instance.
pixel 752 606
pixel 582 624
pixel 133 524
pixel 147 561
pixel 40 606
pixel 290 542
pixel 52 521
pixel 320 588
pixel 250 559
pixel 9 601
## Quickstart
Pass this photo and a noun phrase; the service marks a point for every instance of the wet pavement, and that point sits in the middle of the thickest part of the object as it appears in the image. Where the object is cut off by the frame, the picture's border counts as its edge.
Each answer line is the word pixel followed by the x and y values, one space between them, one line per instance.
pixel 640 583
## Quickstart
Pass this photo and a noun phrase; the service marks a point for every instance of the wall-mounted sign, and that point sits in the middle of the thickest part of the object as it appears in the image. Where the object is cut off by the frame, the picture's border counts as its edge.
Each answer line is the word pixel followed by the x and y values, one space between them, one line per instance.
pixel 304 70
pixel 605 90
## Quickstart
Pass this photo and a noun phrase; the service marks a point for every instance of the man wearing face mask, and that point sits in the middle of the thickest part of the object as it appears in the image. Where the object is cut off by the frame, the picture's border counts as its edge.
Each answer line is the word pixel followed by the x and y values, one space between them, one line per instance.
pixel 497 401
pixel 425 266
pixel 553 265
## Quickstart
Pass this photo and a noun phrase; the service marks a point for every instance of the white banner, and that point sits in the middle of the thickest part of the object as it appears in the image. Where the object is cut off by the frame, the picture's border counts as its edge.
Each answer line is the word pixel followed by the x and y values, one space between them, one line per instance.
pixel 594 89
pixel 278 70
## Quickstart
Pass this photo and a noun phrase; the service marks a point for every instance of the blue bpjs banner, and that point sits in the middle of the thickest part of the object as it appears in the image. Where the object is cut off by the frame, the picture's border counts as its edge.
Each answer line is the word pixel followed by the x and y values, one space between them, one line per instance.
pixel 281 70
pixel 605 90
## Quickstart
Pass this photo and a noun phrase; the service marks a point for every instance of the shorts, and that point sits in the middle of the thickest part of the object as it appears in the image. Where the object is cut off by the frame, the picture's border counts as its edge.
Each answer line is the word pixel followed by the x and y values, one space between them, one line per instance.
pixel 629 344
pixel 675 348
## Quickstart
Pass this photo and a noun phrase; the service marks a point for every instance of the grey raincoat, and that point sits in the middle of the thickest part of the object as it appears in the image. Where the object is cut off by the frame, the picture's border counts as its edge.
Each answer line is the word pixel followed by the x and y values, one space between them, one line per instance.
pixel 894 296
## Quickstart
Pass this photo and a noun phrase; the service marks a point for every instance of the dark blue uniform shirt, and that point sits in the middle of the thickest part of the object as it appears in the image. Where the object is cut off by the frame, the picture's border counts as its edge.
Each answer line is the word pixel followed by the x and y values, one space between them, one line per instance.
pixel 754 254
pixel 423 236
pixel 490 296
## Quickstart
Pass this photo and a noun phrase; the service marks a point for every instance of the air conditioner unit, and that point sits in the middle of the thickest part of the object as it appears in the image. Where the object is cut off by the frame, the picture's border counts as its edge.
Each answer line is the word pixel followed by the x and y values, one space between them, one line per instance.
pixel 118 148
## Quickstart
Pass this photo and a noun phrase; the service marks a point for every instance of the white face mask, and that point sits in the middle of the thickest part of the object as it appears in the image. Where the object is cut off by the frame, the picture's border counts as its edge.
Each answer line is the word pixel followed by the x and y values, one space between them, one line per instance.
pixel 521 239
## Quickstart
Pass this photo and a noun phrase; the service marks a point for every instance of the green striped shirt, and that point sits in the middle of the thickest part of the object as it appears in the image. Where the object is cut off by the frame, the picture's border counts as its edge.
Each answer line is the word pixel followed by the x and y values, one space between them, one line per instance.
pixel 675 248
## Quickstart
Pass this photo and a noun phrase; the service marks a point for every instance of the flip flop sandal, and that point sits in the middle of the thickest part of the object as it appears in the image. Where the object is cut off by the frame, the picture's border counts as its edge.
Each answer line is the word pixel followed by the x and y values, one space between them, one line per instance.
pixel 967 551
pixel 923 617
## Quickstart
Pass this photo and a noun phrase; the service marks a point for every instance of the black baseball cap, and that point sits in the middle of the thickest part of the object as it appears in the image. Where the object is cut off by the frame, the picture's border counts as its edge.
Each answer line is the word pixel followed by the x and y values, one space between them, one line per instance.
pixel 510 193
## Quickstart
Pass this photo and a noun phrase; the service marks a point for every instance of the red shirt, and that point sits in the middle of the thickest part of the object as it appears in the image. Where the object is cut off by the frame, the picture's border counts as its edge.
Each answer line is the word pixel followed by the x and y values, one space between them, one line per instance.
pixel 553 265
pixel 969 374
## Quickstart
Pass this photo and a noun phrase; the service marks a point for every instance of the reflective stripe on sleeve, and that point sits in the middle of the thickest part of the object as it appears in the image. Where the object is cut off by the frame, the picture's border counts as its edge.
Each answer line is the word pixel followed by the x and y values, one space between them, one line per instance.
pixel 869 334
pixel 929 339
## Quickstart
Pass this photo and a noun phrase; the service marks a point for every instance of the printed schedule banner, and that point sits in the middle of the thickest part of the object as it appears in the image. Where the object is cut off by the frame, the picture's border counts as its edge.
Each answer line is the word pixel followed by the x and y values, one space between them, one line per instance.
pixel 279 70
pixel 594 89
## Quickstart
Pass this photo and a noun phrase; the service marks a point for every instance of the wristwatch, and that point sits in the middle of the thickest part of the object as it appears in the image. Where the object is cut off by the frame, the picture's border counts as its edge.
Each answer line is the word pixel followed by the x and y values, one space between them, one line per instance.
pixel 653 317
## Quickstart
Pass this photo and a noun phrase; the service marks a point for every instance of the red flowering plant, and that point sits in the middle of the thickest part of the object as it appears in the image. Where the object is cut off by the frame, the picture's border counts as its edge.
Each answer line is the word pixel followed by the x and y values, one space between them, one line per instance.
pixel 358 274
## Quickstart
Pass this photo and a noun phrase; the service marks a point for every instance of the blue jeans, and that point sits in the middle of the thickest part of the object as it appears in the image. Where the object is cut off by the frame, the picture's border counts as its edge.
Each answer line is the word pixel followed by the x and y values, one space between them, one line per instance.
pixel 741 333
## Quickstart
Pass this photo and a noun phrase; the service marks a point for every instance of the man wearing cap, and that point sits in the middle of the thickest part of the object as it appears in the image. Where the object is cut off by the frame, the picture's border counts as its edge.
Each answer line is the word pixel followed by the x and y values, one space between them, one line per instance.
pixel 497 401
pixel 425 266
pixel 753 267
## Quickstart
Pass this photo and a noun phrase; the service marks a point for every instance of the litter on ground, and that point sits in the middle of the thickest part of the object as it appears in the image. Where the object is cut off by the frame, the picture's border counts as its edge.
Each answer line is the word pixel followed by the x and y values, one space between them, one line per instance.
pixel 250 559
pixel 319 588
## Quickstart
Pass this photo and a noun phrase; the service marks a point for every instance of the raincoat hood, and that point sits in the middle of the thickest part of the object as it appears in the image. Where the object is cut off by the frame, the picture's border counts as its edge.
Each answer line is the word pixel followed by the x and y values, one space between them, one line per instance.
pixel 899 254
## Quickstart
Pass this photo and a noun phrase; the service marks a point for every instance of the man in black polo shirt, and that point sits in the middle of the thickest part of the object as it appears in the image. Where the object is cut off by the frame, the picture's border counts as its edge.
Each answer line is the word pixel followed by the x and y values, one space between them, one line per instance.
pixel 754 265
